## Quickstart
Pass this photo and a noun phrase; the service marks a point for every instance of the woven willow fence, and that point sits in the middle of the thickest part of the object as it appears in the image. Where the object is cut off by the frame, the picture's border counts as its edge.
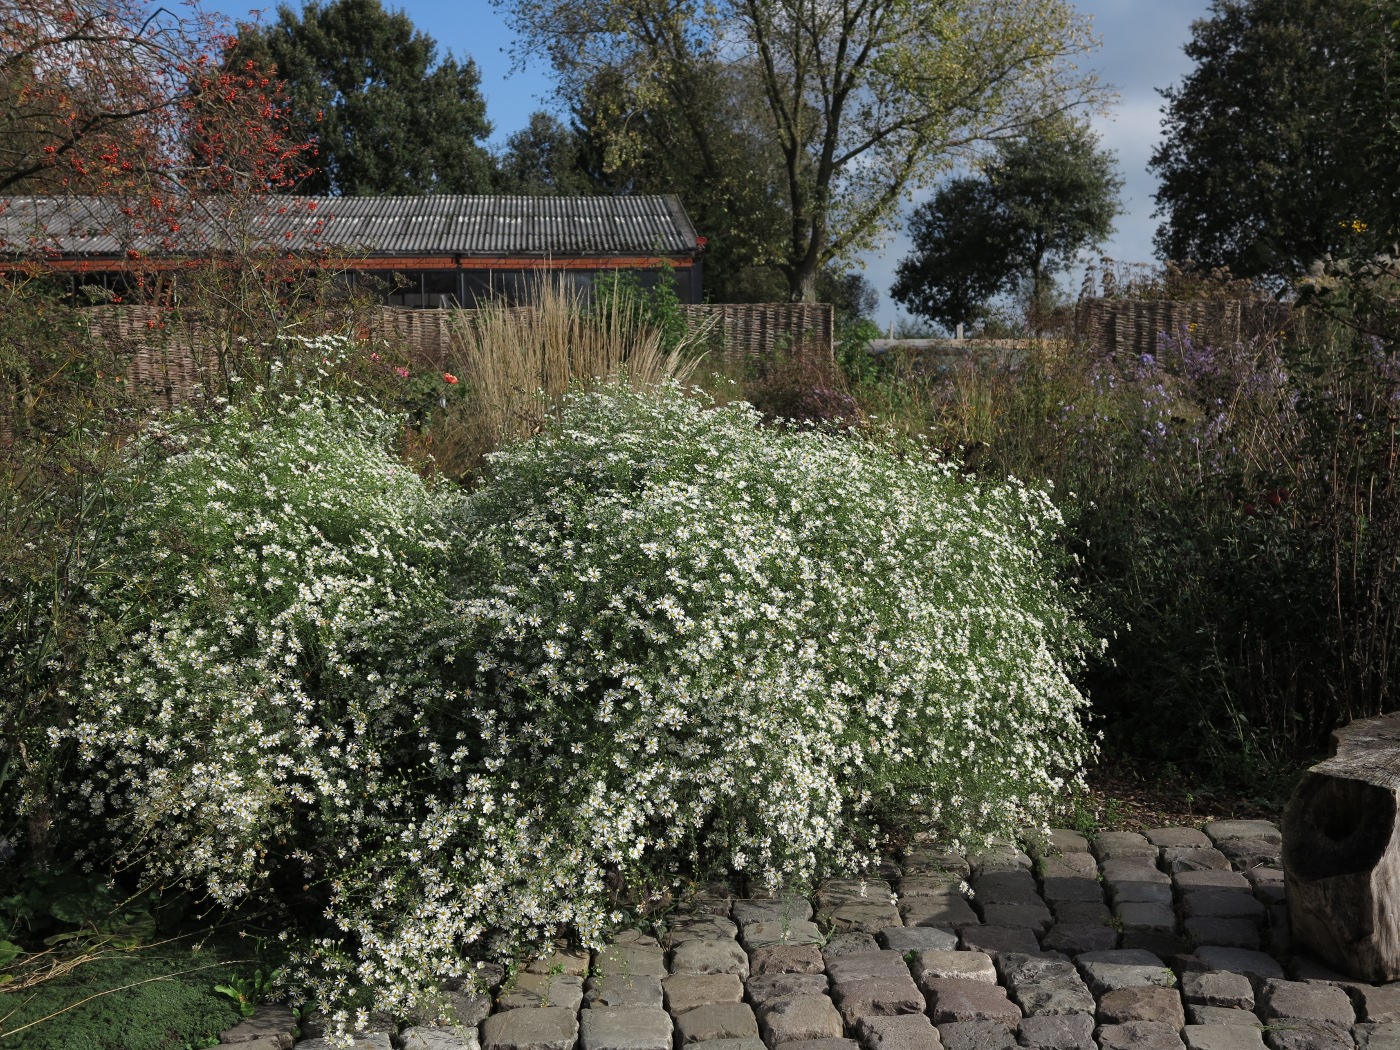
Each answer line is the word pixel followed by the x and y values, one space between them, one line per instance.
pixel 166 356
pixel 1137 326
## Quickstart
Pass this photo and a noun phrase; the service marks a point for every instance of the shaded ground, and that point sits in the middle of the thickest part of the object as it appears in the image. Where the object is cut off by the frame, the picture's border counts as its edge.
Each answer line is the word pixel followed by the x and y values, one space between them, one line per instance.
pixel 1131 796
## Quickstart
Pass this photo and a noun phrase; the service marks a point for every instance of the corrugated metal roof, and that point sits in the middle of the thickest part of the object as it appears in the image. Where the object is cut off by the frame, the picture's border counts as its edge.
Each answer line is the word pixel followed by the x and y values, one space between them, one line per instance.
pixel 427 225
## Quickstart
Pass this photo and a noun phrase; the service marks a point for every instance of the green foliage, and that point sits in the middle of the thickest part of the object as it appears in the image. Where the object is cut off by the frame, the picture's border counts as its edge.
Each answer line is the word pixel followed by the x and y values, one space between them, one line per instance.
pixel 160 999
pixel 544 159
pixel 1279 146
pixel 1043 199
pixel 388 116
pixel 659 306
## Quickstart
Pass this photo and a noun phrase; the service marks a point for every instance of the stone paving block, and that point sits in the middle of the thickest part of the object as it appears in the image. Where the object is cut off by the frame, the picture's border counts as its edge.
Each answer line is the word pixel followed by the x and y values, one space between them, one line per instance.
pixel 1304 1000
pixel 1123 968
pixel 686 991
pixel 1058 1032
pixel 715 1021
pixel 453 1004
pixel 931 886
pixel 707 927
pixel 633 960
pixel 1227 830
pixel 995 939
pixel 1095 912
pixel 572 961
pixel 1267 884
pixel 861 966
pixel 1377 1036
pixel 1255 965
pixel 1225 933
pixel 1176 859
pixel 787 958
pixel 709 955
pixel 1074 938
pixel 1133 869
pixel 1222 1037
pixel 1072 888
pixel 1222 904
pixel 533 990
pixel 953 965
pixel 999 858
pixel 1175 838
pixel 1302 968
pixel 624 992
pixel 786 907
pixel 1111 845
pixel 755 935
pixel 631 1029
pixel 269 1022
pixel 833 892
pixel 1136 891
pixel 1043 999
pixel 363 1041
pixel 1032 916
pixel 1377 1004
pixel 1005 887
pixel 1069 866
pixel 1214 1016
pixel 898 1032
pixel 865 916
pixel 1146 916
pixel 1211 879
pixel 849 943
pixel 880 996
pixel 949 912
pixel 766 988
pixel 1248 853
pixel 545 1028
pixel 904 939
pixel 752 1043
pixel 955 1000
pixel 422 1038
pixel 799 1018
pixel 976 1035
pixel 934 862
pixel 1148 1003
pixel 819 1044
pixel 1217 988
pixel 1016 968
pixel 1308 1035
pixel 1160 943
pixel 1067 840
pixel 1139 1035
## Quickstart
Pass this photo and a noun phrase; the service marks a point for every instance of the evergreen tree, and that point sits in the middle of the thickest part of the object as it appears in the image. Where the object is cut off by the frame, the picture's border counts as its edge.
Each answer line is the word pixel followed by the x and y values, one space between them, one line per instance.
pixel 389 116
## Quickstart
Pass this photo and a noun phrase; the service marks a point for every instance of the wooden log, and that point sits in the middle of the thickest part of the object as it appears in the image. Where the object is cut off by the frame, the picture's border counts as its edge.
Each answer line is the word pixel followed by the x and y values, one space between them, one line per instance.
pixel 1341 852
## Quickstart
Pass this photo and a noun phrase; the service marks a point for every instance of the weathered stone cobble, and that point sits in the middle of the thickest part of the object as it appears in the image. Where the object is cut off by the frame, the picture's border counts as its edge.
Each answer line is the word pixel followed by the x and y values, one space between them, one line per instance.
pixel 1172 939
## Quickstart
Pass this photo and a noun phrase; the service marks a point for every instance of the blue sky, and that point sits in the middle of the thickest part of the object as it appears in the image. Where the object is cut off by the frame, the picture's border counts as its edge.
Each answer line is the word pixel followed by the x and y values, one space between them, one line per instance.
pixel 1141 52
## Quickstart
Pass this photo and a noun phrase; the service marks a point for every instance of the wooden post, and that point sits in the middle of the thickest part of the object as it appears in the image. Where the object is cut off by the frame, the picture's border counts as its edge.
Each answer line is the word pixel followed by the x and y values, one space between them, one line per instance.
pixel 1341 852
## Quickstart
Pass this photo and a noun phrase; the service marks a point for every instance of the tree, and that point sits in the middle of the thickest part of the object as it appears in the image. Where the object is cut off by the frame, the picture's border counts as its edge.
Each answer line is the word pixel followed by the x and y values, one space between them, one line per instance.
pixel 544 159
pixel 1281 145
pixel 388 116
pixel 1043 199
pixel 861 101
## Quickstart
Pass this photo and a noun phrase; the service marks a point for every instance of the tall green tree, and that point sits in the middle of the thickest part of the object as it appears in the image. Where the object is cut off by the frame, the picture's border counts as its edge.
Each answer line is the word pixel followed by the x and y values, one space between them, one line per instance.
pixel 1042 199
pixel 860 102
pixel 389 115
pixel 544 159
pixel 1283 144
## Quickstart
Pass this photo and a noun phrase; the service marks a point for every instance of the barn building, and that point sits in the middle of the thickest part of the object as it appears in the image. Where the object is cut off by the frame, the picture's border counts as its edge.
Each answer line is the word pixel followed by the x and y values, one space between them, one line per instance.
pixel 440 251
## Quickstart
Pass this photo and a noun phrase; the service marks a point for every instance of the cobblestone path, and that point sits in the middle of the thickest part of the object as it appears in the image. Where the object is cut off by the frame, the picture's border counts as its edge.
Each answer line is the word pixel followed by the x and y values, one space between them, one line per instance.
pixel 1173 938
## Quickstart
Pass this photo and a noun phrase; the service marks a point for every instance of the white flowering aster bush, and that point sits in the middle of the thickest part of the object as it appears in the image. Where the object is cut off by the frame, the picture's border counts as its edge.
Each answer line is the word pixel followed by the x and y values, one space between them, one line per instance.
pixel 661 639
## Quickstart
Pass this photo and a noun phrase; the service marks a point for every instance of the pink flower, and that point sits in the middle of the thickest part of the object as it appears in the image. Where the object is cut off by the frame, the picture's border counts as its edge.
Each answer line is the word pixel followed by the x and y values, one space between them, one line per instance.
pixel 374 357
pixel 402 372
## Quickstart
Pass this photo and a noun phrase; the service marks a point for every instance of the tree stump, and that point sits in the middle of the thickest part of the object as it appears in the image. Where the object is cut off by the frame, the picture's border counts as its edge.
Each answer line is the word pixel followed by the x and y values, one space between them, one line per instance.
pixel 1341 852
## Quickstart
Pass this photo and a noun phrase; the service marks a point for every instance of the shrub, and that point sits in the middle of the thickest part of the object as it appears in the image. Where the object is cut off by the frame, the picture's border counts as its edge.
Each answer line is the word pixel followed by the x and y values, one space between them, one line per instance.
pixel 661 639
